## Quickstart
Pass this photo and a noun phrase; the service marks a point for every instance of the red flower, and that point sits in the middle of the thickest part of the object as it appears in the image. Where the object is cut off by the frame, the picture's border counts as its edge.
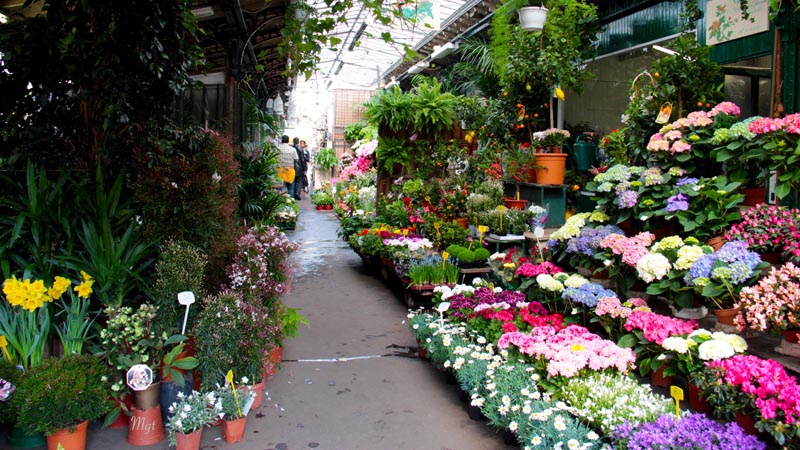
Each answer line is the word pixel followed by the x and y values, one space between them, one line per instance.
pixel 509 327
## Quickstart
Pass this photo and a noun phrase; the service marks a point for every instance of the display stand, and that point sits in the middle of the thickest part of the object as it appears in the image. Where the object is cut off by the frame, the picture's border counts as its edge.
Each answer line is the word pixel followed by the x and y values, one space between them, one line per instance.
pixel 551 196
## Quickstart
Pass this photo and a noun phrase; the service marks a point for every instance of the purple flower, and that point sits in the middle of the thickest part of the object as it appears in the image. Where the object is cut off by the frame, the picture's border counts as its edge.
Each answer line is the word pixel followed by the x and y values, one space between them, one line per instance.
pixel 677 202
pixel 588 294
pixel 627 199
pixel 694 431
pixel 686 180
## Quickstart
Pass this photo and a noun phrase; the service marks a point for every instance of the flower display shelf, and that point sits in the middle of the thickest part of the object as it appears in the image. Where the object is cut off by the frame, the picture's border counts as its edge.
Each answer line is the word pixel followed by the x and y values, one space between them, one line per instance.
pixel 553 197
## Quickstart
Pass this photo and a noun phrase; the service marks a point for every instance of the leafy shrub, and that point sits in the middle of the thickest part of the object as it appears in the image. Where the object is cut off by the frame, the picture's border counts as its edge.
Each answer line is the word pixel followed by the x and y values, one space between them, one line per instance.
pixel 61 393
pixel 180 268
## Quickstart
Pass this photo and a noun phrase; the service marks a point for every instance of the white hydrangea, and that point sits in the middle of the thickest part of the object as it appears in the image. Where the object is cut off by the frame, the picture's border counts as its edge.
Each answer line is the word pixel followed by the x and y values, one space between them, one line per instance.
pixel 687 255
pixel 714 349
pixel 575 281
pixel 653 266
pixel 736 342
pixel 676 344
pixel 547 282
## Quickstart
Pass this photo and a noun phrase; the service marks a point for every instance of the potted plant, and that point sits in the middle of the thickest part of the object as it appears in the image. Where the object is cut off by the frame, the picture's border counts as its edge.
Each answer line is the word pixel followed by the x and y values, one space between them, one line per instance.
pixel 228 338
pixel 679 256
pixel 60 396
pixel 190 414
pixel 234 405
pixel 777 141
pixel 705 207
pixel 721 276
pixel 770 230
pixel 772 304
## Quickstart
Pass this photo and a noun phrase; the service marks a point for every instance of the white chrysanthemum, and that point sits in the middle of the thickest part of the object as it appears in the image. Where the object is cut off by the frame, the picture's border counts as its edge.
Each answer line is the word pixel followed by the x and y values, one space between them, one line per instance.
pixel 676 344
pixel 714 349
pixel 513 426
pixel 526 409
pixel 559 423
pixel 573 444
pixel 592 436
pixel 653 266
pixel 477 402
pixel 506 400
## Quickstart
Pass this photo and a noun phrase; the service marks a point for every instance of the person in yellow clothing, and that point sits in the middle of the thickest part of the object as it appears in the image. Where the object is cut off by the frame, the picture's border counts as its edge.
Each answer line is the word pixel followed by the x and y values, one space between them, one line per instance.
pixel 286 163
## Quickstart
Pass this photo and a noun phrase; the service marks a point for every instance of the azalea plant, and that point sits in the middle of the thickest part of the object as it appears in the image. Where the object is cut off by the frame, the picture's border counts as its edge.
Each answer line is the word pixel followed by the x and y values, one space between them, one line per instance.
pixel 561 354
pixel 749 384
pixel 773 304
pixel 646 333
pixel 769 228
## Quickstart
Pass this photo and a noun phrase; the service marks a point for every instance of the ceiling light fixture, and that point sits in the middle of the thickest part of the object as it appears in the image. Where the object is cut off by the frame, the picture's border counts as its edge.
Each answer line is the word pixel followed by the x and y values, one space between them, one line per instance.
pixel 440 51
pixel 205 11
pixel 418 67
pixel 665 50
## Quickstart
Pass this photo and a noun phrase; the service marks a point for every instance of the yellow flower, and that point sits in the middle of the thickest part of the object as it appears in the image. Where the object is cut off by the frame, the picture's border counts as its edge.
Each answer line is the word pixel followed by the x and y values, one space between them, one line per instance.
pixel 560 94
pixel 60 285
pixel 84 289
pixel 86 276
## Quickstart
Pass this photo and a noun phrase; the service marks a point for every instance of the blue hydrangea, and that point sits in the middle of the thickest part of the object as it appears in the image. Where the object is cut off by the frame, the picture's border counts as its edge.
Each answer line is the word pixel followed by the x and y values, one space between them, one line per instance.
pixel 627 199
pixel 732 263
pixel 686 180
pixel 588 294
pixel 589 240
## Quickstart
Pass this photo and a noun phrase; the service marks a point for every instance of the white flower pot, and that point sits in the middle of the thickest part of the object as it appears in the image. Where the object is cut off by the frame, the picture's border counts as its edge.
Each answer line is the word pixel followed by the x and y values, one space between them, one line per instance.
pixel 532 18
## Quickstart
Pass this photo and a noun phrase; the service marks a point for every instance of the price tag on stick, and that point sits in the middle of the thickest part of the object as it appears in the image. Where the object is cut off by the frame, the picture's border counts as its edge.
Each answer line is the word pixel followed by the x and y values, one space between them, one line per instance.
pixel 185 298
pixel 677 394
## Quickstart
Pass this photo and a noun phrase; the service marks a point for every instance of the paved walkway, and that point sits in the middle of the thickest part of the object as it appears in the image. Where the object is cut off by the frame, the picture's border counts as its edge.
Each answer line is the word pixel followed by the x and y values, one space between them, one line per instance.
pixel 351 381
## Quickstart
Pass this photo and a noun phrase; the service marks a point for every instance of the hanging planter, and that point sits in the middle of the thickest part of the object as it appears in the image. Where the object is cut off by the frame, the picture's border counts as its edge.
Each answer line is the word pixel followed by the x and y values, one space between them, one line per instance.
pixel 532 18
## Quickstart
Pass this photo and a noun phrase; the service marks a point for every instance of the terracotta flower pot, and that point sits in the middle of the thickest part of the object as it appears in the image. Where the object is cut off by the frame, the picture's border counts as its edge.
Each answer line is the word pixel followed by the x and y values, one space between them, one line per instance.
pixel 696 400
pixel 69 440
pixel 189 441
pixel 658 379
pixel 791 336
pixel 233 430
pixel 716 242
pixel 145 427
pixel 258 388
pixel 512 203
pixel 726 316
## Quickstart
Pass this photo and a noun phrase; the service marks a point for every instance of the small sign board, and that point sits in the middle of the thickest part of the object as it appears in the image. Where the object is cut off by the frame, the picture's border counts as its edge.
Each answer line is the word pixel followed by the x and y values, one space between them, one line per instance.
pixel 139 377
pixel 186 298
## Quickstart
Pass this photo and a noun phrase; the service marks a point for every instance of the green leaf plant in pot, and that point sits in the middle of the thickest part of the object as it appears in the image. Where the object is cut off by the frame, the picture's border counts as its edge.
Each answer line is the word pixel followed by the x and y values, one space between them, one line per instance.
pixel 63 394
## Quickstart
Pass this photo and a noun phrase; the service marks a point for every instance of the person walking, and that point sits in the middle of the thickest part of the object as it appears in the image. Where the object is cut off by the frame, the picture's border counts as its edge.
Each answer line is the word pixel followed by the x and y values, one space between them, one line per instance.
pixel 286 164
pixel 307 157
pixel 300 168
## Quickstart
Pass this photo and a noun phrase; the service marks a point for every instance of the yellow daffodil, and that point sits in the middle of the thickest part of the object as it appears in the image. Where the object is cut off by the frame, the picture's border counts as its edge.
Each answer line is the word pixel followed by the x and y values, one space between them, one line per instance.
pixel 60 285
pixel 84 289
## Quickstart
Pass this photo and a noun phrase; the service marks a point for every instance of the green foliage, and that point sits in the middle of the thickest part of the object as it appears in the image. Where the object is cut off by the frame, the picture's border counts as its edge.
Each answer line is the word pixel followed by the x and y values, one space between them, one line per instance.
pixel 392 109
pixel 221 332
pixel 393 213
pixel 257 198
pixel 326 158
pixel 391 153
pixel 174 363
pixel 180 267
pixel 350 225
pixel 100 87
pixel 353 131
pixel 433 109
pixel 60 393
pixel 447 234
pixel 76 325
pixel 321 198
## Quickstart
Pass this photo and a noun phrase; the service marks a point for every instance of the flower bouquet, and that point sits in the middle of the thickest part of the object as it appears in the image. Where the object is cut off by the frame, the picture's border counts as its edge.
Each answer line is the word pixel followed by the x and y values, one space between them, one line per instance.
pixel 773 303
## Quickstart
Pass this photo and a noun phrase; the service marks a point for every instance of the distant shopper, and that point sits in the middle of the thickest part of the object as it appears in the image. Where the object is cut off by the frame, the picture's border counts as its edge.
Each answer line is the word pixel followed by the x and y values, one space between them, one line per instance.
pixel 307 158
pixel 300 167
pixel 286 164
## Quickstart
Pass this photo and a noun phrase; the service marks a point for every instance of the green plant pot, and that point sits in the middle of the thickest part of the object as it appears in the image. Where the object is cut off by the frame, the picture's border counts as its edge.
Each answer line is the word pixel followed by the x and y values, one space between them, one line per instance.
pixel 18 438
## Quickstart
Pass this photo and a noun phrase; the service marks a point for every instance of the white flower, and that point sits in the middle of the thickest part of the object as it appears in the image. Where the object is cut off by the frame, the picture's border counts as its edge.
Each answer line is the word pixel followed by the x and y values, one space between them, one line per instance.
pixel 573 444
pixel 537 440
pixel 592 436
pixel 653 266
pixel 513 426
pixel 506 400
pixel 713 350
pixel 676 344
pixel 245 380
pixel 575 281
pixel 738 344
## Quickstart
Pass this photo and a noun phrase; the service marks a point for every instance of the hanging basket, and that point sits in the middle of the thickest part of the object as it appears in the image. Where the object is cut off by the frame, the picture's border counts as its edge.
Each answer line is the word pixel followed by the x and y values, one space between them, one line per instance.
pixel 532 18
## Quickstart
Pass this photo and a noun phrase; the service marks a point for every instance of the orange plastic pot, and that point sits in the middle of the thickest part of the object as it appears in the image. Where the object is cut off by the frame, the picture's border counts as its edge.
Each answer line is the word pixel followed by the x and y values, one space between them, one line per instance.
pixel 233 430
pixel 69 439
pixel 189 441
pixel 145 427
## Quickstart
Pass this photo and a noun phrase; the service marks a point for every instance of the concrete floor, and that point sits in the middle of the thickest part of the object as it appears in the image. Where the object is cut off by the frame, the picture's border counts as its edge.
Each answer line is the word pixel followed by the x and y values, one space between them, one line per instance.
pixel 350 381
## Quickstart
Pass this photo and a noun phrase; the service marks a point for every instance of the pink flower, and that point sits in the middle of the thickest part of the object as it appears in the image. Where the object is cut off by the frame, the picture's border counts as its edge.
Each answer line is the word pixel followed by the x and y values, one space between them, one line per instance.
pixel 680 147
pixel 699 119
pixel 765 125
pixel 728 108
pixel 657 327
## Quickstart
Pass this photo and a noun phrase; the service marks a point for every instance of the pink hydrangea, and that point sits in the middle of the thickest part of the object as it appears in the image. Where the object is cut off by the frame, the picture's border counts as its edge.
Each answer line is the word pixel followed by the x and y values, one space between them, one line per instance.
pixel 728 108
pixel 657 327
pixel 673 135
pixel 568 351
pixel 699 119
pixel 631 248
pixel 533 270
pixel 657 145
pixel 765 125
pixel 680 147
